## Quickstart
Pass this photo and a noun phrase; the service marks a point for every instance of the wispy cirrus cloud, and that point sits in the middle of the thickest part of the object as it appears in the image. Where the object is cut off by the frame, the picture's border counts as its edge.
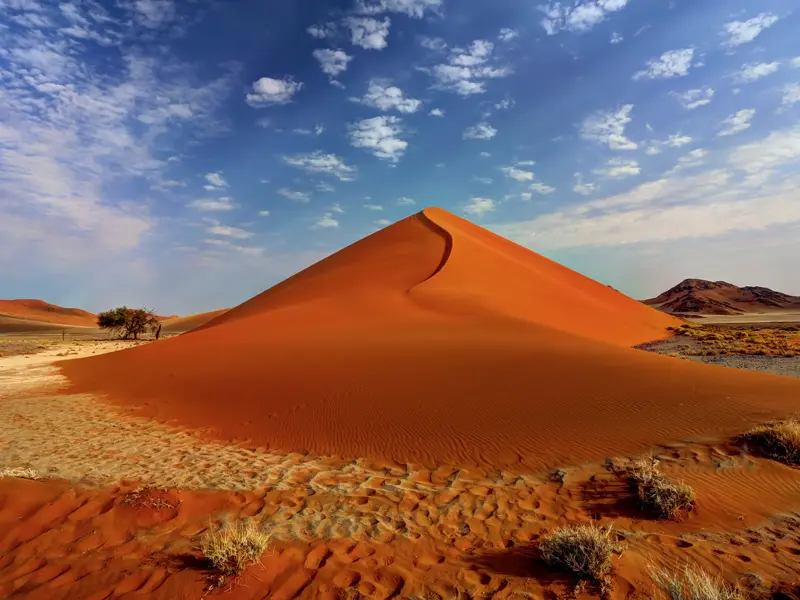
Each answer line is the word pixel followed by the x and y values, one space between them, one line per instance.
pixel 742 32
pixel 608 127
pixel 321 162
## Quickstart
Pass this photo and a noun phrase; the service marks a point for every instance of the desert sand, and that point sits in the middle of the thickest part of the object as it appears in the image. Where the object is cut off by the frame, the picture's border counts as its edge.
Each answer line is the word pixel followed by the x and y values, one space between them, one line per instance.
pixel 407 419
pixel 37 310
pixel 436 342
pixel 183 324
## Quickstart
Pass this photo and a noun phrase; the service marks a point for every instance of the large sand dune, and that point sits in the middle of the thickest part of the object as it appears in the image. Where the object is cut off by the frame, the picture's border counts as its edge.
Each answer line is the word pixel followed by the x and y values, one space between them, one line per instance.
pixel 44 312
pixel 435 341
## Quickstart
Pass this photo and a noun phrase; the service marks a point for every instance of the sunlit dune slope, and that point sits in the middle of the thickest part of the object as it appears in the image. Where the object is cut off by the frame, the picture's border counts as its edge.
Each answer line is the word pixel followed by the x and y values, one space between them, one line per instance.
pixel 38 310
pixel 436 341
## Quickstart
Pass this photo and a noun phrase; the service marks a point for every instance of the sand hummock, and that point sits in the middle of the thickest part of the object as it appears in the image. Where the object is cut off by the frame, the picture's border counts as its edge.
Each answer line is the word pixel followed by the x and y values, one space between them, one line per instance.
pixel 435 342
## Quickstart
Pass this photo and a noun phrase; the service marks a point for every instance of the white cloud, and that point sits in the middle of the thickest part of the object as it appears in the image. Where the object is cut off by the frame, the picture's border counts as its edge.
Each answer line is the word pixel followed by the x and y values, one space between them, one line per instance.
pixel 154 13
pixel 696 98
pixel 382 222
pixel 383 96
pixel 436 112
pixel 695 158
pixel 618 168
pixel 227 245
pixel 379 135
pixel 415 9
pixel 526 196
pixel 263 213
pixel 320 162
pixel 795 62
pixel 325 187
pixel 436 44
pixel 675 63
pixel 319 129
pixel 737 122
pixel 294 196
pixel 517 174
pixel 480 131
pixel 301 131
pixel 479 206
pixel 404 201
pixel 676 140
pixel 373 207
pixel 741 32
pixel 580 16
pixel 525 163
pixel 506 34
pixel 212 204
pixel 76 138
pixel 754 71
pixel 326 222
pixel 584 189
pixel 540 188
pixel 268 91
pixel 368 33
pixel 226 230
pixel 216 180
pixel 679 207
pixel 484 180
pixel 791 94
pixel 468 69
pixel 321 32
pixel 484 154
pixel 616 38
pixel 778 149
pixel 332 62
pixel 608 127
pixel 337 208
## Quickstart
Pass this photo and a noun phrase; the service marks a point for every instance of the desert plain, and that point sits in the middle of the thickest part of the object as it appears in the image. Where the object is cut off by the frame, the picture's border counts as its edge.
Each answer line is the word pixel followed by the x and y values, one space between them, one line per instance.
pixel 412 417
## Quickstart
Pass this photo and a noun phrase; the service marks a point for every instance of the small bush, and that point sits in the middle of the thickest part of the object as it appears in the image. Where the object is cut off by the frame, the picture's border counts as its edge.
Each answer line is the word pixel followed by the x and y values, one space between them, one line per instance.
pixel 692 583
pixel 780 441
pixel 232 549
pixel 586 550
pixel 657 492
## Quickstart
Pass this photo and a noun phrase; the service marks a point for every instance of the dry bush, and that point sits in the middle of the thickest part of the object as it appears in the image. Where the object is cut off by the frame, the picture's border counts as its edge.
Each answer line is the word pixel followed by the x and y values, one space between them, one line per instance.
pixel 20 472
pixel 657 492
pixel 586 550
pixel 780 441
pixel 692 583
pixel 232 549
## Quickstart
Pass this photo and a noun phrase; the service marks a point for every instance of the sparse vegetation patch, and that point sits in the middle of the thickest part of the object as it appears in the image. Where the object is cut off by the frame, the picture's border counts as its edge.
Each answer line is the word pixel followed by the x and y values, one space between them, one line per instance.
pixel 692 583
pixel 585 550
pixel 657 492
pixel 780 441
pixel 232 549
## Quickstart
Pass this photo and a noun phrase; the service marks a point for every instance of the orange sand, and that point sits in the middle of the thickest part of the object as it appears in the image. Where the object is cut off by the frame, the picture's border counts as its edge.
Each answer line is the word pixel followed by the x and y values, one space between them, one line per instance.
pixel 38 310
pixel 436 342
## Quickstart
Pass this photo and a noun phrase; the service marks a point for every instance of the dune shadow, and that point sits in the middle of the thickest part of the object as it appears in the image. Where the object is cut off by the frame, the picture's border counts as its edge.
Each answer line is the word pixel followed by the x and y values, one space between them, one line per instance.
pixel 519 561
pixel 611 498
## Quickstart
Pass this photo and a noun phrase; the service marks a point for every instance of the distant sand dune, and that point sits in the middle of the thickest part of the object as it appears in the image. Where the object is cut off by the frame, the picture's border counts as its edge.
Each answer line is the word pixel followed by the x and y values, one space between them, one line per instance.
pixel 436 342
pixel 38 310
pixel 183 324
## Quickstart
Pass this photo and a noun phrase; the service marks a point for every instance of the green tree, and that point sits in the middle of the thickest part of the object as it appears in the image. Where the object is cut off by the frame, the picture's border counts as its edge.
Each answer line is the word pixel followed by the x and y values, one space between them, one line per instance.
pixel 127 322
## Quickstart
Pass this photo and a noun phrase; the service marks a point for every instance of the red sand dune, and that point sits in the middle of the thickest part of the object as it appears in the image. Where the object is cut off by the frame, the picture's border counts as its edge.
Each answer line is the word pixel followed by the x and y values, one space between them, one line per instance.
pixel 182 324
pixel 39 310
pixel 436 341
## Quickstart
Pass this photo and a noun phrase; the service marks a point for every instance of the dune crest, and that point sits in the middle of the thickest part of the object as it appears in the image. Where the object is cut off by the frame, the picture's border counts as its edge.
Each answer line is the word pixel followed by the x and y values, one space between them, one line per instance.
pixel 434 341
pixel 44 312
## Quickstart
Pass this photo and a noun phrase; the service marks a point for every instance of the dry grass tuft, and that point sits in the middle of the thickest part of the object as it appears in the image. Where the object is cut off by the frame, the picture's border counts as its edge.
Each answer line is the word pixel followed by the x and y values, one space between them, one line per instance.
pixel 20 472
pixel 232 549
pixel 586 550
pixel 692 583
pixel 780 441
pixel 657 492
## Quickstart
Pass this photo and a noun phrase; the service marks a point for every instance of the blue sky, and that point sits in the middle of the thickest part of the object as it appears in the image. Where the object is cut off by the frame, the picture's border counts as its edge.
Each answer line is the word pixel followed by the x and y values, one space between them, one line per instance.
pixel 187 155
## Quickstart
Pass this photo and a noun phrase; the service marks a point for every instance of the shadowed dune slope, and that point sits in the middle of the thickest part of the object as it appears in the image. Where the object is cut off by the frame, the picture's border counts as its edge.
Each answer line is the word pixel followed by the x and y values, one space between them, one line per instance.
pixel 435 341
pixel 39 310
